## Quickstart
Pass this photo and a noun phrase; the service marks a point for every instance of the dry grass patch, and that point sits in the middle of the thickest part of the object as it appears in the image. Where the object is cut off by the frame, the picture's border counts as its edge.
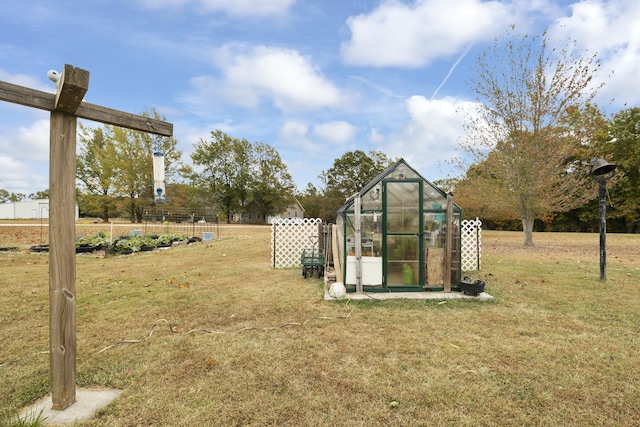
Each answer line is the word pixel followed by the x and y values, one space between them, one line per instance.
pixel 249 345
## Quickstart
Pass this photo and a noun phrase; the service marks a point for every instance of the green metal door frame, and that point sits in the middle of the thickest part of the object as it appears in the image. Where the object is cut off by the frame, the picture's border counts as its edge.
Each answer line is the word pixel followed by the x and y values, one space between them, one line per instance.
pixel 418 232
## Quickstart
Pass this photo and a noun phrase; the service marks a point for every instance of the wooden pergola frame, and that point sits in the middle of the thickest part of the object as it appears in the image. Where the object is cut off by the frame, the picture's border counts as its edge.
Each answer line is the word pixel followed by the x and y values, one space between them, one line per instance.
pixel 66 106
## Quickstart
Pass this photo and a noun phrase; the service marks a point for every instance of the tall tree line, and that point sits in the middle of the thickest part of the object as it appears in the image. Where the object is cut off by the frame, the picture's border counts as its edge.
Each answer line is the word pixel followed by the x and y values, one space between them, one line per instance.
pixel 231 173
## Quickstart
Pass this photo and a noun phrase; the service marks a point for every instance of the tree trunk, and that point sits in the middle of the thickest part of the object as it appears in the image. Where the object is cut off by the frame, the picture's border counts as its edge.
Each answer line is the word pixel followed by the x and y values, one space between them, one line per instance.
pixel 132 210
pixel 105 214
pixel 527 228
pixel 227 210
pixel 139 211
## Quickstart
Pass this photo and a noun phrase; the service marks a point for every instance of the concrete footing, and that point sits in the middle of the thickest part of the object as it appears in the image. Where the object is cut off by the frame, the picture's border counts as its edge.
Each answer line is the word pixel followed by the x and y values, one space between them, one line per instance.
pixel 88 402
pixel 381 296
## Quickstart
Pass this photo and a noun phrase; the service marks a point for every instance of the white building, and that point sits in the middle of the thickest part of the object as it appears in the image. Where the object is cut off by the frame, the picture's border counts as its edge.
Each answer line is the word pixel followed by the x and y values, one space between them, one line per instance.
pixel 30 209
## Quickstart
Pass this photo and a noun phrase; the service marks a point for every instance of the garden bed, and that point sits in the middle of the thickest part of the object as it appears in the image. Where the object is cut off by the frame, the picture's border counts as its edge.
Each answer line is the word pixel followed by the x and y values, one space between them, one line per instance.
pixel 123 245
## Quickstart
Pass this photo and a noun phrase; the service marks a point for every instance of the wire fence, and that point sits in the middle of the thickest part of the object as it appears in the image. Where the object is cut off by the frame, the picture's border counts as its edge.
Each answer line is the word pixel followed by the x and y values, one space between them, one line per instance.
pixel 201 223
pixel 192 223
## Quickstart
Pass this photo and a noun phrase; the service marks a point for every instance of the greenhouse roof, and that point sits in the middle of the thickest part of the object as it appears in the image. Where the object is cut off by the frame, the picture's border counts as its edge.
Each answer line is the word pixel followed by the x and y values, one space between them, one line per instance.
pixel 388 173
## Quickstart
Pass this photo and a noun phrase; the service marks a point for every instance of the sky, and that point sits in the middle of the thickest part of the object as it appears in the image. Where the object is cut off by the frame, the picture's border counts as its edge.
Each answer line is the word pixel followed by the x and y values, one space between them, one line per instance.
pixel 312 78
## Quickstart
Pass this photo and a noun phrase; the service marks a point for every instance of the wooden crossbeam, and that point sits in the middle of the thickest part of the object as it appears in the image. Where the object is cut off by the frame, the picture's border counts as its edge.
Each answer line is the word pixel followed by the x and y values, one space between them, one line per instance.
pixel 47 101
pixel 65 107
pixel 27 97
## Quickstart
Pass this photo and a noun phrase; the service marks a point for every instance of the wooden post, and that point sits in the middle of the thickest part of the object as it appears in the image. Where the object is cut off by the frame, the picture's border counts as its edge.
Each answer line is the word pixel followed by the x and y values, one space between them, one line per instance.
pixel 66 106
pixel 62 259
pixel 448 243
pixel 72 87
pixel 337 260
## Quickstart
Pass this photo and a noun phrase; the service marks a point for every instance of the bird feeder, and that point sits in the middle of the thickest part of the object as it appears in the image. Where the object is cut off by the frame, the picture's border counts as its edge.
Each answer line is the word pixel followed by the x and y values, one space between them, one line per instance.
pixel 159 191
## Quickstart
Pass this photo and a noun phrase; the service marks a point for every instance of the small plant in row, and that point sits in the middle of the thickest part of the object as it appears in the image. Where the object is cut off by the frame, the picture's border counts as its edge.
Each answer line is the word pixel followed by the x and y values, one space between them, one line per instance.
pixel 93 243
pixel 127 243
pixel 133 243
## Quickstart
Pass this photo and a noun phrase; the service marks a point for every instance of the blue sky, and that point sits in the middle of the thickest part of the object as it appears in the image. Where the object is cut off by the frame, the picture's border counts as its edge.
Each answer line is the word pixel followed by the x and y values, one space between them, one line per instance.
pixel 313 78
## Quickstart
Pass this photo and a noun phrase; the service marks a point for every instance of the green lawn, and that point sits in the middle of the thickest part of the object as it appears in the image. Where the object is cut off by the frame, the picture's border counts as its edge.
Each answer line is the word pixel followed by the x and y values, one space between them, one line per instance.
pixel 237 343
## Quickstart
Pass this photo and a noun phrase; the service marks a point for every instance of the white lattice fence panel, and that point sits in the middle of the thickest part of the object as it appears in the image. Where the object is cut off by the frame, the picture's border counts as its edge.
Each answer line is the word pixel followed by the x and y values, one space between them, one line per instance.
pixel 471 244
pixel 289 237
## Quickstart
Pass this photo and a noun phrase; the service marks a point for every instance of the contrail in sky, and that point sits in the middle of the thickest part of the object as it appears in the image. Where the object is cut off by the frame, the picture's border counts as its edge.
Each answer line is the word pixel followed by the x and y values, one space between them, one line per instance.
pixel 453 67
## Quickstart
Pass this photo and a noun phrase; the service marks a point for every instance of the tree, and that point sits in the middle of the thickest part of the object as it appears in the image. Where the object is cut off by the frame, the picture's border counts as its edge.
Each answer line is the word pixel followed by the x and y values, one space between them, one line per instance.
pixel 348 175
pixel 313 202
pixel 180 197
pixel 273 189
pixel 97 170
pixel 525 133
pixel 5 196
pixel 225 172
pixel 233 172
pixel 623 145
pixel 479 195
pixel 39 195
pixel 351 172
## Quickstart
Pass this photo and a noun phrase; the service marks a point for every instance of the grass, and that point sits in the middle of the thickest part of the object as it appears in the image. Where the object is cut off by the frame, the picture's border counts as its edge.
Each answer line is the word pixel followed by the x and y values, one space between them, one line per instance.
pixel 222 339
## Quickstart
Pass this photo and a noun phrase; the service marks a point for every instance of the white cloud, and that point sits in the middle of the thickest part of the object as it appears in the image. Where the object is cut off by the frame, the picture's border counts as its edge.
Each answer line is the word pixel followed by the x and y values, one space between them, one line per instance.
pixel 17 176
pixel 24 158
pixel 432 134
pixel 256 8
pixel 27 81
pixel 24 140
pixel 300 135
pixel 296 149
pixel 310 149
pixel 375 137
pixel 28 143
pixel 611 30
pixel 337 132
pixel 294 135
pixel 294 129
pixel 249 7
pixel 11 171
pixel 397 34
pixel 251 75
pixel 591 19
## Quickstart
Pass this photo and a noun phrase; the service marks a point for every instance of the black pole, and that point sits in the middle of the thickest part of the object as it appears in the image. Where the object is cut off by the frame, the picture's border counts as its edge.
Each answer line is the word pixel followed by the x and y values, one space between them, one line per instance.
pixel 602 171
pixel 602 193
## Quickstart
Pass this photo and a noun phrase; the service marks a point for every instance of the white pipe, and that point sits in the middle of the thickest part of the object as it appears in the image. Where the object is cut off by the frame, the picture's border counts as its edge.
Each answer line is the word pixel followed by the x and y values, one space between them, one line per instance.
pixel 358 242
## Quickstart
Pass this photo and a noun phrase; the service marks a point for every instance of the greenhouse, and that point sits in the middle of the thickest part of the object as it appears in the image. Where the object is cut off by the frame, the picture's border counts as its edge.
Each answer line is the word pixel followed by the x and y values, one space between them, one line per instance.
pixel 400 233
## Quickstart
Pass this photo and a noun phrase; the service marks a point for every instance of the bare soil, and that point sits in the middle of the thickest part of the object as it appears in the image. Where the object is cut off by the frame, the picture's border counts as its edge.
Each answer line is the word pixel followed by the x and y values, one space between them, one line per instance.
pixel 24 233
